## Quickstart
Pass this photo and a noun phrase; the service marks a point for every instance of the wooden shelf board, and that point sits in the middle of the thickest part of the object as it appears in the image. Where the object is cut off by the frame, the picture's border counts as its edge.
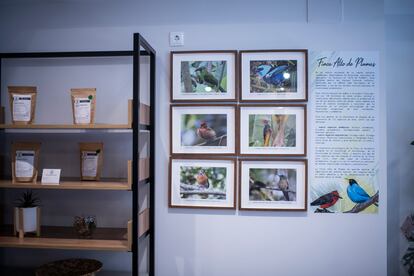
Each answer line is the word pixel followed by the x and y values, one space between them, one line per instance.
pixel 66 126
pixel 58 237
pixel 70 185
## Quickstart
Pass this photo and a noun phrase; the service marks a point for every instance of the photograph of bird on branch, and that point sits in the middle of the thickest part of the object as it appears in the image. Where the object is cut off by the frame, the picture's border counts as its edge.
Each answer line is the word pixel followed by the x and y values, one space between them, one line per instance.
pixel 203 183
pixel 271 76
pixel 204 130
pixel 272 130
pixel 356 196
pixel 204 77
pixel 272 184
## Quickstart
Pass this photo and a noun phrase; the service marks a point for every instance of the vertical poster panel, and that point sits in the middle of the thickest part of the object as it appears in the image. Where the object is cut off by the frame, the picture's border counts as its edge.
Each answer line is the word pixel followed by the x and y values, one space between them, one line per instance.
pixel 345 132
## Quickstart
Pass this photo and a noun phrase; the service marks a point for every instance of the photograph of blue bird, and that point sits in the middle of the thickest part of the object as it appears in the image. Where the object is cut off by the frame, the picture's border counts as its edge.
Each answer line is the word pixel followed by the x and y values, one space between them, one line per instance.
pixel 274 75
pixel 356 193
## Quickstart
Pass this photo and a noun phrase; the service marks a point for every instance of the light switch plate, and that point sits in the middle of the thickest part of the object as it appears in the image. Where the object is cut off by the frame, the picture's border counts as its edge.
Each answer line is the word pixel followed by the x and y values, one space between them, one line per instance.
pixel 176 39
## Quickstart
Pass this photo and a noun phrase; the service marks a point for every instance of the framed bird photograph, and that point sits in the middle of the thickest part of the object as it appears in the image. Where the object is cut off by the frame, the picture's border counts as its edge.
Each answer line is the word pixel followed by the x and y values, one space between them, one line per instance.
pixel 274 75
pixel 203 76
pixel 202 183
pixel 277 130
pixel 273 184
pixel 203 129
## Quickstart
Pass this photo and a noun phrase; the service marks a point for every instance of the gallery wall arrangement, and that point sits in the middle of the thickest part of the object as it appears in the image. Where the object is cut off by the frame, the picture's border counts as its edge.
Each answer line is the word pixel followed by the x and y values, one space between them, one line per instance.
pixel 238 130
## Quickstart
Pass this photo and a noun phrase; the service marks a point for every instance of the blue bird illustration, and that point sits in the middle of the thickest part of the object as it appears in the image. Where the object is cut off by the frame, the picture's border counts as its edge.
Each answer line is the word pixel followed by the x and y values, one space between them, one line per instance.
pixel 356 193
pixel 275 75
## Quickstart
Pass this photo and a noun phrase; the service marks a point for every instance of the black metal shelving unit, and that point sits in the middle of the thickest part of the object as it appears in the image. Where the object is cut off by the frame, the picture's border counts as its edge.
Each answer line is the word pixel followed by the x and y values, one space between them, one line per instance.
pixel 140 48
pixel 140 42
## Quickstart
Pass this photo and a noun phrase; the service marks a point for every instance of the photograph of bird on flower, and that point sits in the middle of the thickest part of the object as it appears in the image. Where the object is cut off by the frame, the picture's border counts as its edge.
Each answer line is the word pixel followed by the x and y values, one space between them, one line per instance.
pixel 272 184
pixel 270 76
pixel 204 76
pixel 203 182
pixel 277 130
pixel 204 130
pixel 354 196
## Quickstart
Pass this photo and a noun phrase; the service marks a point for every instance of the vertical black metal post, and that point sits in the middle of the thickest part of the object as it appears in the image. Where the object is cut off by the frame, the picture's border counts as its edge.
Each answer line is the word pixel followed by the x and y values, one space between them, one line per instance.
pixel 135 152
pixel 152 165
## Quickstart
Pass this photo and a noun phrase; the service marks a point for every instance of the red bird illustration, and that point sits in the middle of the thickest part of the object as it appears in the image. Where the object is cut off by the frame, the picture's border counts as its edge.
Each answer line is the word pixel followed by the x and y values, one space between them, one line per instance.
pixel 267 133
pixel 326 200
pixel 206 132
pixel 202 179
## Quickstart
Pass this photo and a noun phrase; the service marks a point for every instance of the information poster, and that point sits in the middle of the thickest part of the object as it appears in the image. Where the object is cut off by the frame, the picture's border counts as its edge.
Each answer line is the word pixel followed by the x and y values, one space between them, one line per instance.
pixel 344 172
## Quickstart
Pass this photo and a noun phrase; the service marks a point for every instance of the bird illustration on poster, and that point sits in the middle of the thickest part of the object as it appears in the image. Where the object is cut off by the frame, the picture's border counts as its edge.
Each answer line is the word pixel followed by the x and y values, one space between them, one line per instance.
pixel 326 201
pixel 350 198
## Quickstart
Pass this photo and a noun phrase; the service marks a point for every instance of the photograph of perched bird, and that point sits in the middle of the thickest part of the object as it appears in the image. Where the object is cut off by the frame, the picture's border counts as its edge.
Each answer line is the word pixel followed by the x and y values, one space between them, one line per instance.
pixel 327 200
pixel 356 193
pixel 258 191
pixel 283 185
pixel 268 76
pixel 272 130
pixel 202 179
pixel 272 184
pixel 267 133
pixel 274 75
pixel 204 76
pixel 205 132
pixel 203 182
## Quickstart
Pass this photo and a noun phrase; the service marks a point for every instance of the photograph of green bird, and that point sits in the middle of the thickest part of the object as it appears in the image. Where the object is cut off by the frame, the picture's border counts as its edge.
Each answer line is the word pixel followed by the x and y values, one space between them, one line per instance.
pixel 204 76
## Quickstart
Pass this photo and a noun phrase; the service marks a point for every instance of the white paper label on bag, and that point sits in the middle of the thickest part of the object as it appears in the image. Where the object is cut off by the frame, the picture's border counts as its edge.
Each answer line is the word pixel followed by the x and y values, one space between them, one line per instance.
pixel 82 111
pixel 90 163
pixel 22 107
pixel 24 163
pixel 51 176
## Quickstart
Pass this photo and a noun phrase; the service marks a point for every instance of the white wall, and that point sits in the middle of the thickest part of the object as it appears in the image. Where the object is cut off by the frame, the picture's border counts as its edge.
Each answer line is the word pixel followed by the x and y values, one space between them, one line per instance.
pixel 225 243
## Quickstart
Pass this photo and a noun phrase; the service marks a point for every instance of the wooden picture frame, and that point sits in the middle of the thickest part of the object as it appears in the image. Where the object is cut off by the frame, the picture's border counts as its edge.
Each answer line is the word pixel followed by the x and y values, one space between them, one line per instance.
pixel 206 66
pixel 290 118
pixel 204 133
pixel 273 75
pixel 205 167
pixel 278 193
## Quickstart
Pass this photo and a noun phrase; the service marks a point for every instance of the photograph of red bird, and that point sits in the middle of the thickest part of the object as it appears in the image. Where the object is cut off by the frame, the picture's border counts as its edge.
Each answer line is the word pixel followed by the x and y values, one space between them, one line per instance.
pixel 202 179
pixel 327 200
pixel 205 132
